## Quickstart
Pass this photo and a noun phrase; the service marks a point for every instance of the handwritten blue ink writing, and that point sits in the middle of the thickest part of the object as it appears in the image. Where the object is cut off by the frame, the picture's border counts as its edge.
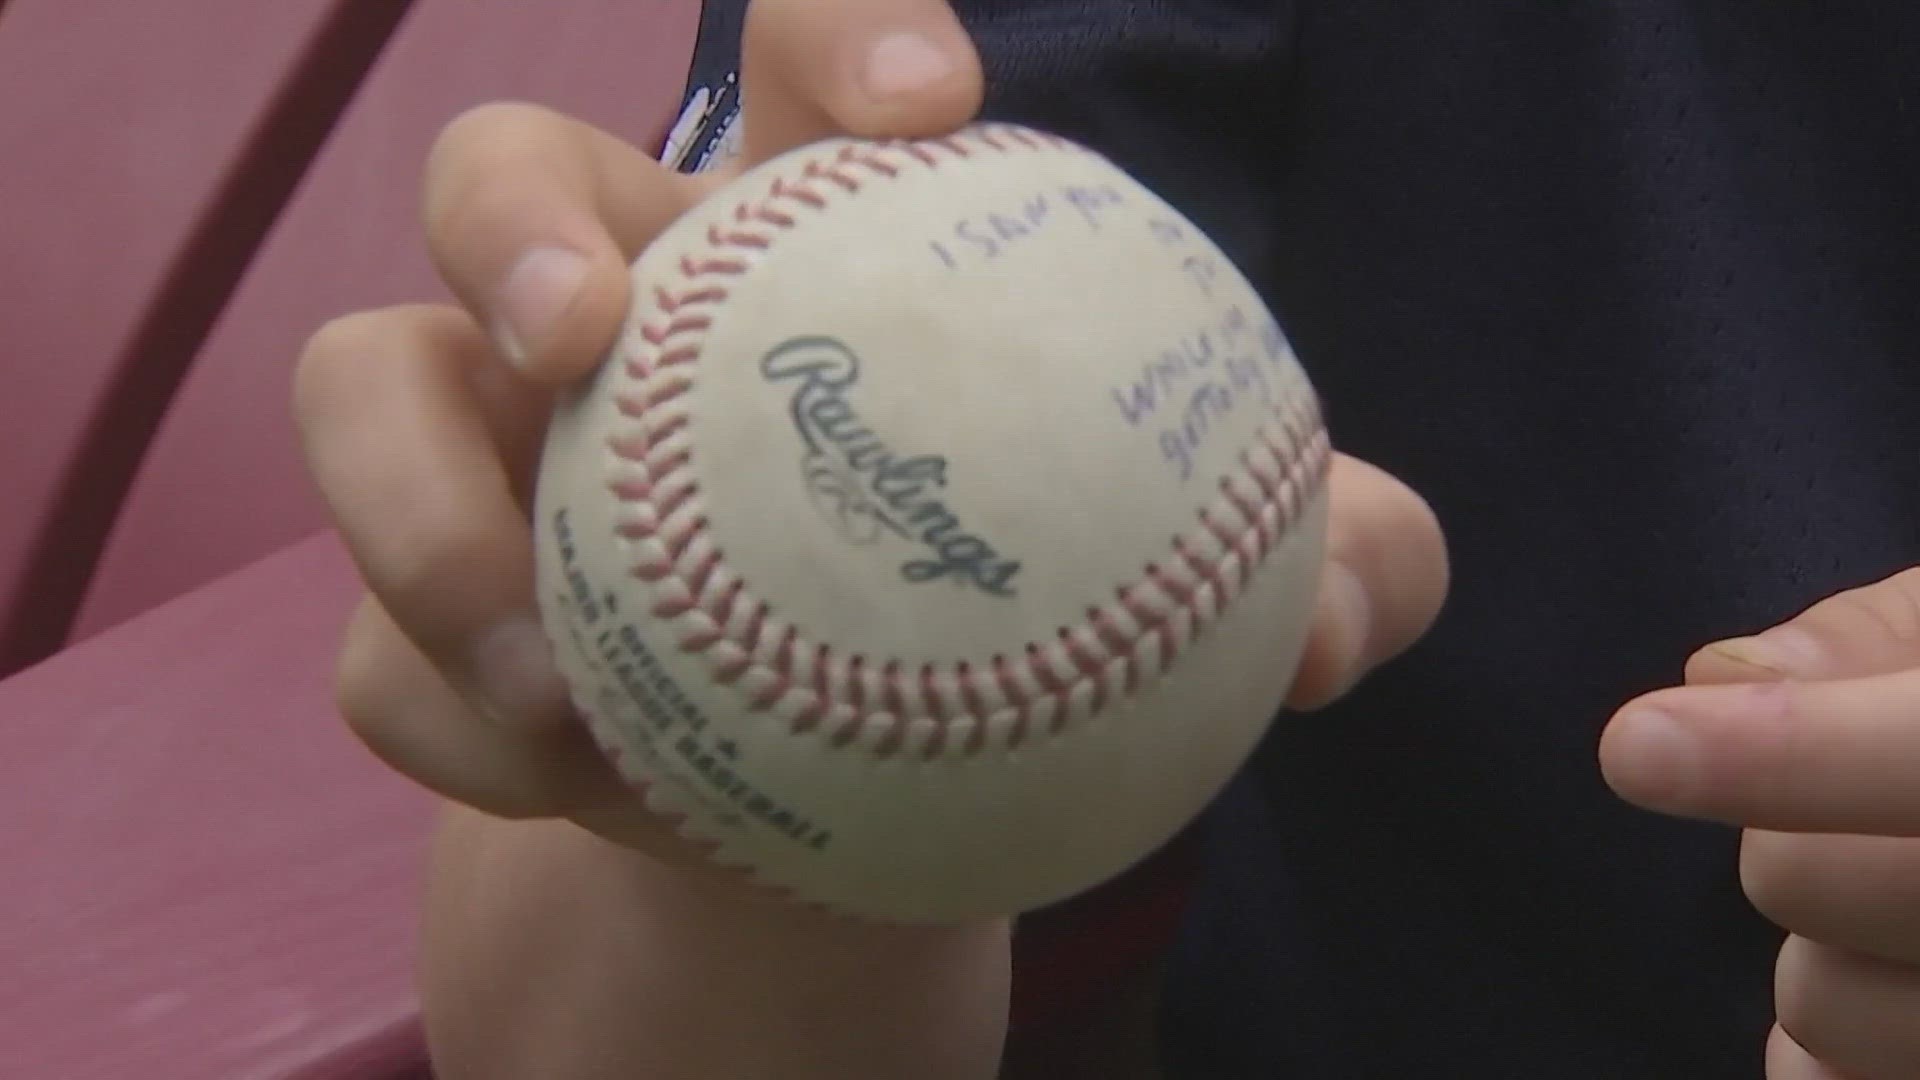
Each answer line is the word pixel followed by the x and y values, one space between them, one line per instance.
pixel 1202 268
pixel 1188 388
pixel 1163 376
pixel 1189 359
pixel 985 237
pixel 1216 399
pixel 1196 382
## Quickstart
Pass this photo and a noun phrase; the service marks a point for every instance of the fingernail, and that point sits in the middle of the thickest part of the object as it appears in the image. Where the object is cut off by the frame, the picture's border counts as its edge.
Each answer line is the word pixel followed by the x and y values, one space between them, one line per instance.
pixel 1785 650
pixel 536 294
pixel 1651 757
pixel 514 670
pixel 904 61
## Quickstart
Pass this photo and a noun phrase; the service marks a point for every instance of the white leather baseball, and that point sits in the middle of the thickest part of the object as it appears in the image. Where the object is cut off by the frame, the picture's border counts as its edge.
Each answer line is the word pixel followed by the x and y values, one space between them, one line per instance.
pixel 943 531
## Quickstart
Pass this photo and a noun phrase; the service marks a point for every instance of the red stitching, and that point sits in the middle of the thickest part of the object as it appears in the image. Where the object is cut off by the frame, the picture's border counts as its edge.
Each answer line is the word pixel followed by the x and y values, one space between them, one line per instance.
pixel 817 170
pixel 685 324
pixel 692 269
pixel 719 237
pixel 1076 674
pixel 786 189
pixel 855 154
pixel 669 303
pixel 762 213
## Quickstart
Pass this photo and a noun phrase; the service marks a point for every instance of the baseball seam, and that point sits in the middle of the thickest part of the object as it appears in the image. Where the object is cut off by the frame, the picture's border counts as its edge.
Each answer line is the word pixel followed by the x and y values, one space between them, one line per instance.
pixel 851 699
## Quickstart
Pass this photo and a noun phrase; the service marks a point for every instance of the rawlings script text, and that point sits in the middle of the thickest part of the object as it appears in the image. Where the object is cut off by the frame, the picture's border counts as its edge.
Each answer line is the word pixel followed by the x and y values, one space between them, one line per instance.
pixel 863 484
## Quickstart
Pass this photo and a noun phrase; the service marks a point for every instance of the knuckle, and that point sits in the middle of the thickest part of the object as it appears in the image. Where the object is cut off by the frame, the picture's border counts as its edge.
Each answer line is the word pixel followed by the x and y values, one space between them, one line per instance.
pixel 1775 875
pixel 361 684
pixel 407 714
pixel 365 711
pixel 1890 609
pixel 437 556
pixel 339 343
pixel 473 159
pixel 327 374
pixel 1797 997
pixel 484 131
pixel 1769 765
pixel 484 124
pixel 422 553
pixel 333 368
pixel 1797 1012
pixel 1902 604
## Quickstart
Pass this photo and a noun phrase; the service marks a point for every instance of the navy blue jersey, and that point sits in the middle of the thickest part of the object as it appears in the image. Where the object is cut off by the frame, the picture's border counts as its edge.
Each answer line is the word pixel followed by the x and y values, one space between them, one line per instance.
pixel 1631 293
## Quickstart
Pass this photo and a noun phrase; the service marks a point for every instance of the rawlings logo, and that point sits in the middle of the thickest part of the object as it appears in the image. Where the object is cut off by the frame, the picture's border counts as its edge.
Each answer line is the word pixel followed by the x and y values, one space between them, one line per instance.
pixel 862 485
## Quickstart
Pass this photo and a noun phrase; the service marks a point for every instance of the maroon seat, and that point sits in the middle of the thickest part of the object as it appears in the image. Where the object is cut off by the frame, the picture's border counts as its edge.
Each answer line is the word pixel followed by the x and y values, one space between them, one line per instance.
pixel 147 147
pixel 351 239
pixel 202 874
pixel 214 880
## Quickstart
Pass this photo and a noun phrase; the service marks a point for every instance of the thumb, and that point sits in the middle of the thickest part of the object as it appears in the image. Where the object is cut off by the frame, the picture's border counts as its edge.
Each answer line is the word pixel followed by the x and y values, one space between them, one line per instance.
pixel 1382 586
pixel 1871 630
pixel 811 69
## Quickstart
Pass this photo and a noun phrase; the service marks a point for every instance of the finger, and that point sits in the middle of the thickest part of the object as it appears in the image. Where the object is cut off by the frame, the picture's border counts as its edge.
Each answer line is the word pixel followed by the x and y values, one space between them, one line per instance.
pixel 878 68
pixel 407 438
pixel 533 219
pixel 1830 757
pixel 1871 630
pixel 401 707
pixel 1382 586
pixel 1852 1014
pixel 1787 1060
pixel 414 721
pixel 1855 892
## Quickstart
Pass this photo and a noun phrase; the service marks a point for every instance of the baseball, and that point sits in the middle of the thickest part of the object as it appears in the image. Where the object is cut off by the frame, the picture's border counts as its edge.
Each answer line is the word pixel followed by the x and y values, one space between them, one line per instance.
pixel 943 531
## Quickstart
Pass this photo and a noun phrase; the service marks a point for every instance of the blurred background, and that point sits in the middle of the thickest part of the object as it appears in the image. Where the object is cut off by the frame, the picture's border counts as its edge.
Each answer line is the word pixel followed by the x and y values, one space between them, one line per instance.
pixel 204 875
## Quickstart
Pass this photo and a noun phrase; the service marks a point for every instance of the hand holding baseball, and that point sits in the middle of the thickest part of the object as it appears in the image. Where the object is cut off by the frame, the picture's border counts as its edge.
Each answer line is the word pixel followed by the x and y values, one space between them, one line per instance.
pixel 423 424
